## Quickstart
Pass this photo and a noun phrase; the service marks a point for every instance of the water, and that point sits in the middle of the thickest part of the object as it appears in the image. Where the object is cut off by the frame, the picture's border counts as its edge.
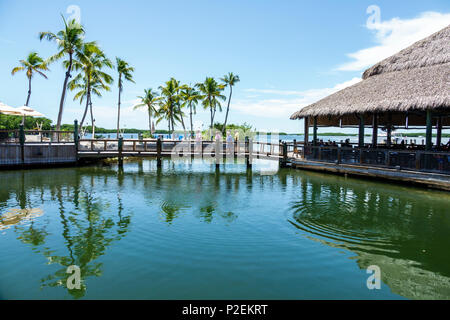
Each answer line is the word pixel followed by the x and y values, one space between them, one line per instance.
pixel 189 232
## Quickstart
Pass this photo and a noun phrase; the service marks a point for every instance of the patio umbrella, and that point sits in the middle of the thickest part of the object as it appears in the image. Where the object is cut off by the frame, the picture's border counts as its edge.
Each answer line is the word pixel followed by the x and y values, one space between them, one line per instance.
pixel 29 112
pixel 4 109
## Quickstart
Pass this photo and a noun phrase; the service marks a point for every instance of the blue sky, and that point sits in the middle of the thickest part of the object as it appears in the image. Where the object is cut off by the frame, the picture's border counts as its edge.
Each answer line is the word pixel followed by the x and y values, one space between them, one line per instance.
pixel 288 54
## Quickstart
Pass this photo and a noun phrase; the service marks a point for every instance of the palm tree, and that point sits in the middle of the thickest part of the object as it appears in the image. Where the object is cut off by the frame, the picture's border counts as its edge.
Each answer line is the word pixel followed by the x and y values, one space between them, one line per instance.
pixel 32 64
pixel 70 42
pixel 90 75
pixel 124 71
pixel 229 80
pixel 210 93
pixel 150 100
pixel 170 103
pixel 190 97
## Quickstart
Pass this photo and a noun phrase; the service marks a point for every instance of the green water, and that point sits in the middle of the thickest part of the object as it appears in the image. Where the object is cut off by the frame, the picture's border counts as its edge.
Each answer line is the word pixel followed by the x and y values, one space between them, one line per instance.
pixel 188 231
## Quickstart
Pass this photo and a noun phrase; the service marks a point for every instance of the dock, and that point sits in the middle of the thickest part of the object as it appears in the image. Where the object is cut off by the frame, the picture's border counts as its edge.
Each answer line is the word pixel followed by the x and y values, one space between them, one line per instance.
pixel 423 168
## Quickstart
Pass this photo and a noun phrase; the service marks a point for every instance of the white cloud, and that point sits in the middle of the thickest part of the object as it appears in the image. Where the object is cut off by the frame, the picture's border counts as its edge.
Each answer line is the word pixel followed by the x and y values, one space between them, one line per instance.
pixel 282 108
pixel 394 35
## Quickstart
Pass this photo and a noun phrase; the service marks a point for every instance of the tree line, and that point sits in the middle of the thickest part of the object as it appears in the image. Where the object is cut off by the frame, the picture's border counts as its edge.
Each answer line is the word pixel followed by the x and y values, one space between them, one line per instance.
pixel 91 66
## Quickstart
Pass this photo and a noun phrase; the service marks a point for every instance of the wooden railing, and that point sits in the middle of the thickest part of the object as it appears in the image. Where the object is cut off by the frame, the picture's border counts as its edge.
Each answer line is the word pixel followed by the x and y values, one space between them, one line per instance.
pixel 36 136
pixel 134 146
pixel 416 160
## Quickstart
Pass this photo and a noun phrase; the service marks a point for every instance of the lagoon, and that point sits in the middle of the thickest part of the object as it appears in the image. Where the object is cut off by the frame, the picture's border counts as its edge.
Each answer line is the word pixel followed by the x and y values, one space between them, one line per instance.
pixel 188 231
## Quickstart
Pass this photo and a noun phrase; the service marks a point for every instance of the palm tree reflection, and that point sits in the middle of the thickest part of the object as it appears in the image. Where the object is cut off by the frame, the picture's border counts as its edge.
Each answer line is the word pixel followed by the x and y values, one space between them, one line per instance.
pixel 88 231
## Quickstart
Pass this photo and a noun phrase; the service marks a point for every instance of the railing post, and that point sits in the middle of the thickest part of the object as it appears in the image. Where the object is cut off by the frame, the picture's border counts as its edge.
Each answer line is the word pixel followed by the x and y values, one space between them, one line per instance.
pixel 217 154
pixel 295 148
pixel 22 143
pixel 418 155
pixel 284 156
pixel 339 155
pixel 120 149
pixel 248 152
pixel 429 132
pixel 158 152
pixel 75 138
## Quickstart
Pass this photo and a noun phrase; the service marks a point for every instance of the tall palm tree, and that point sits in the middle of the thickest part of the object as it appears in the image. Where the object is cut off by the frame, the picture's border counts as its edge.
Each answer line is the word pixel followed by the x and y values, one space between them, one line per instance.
pixel 32 64
pixel 210 96
pixel 150 100
pixel 170 103
pixel 125 72
pixel 70 42
pixel 90 73
pixel 229 80
pixel 191 98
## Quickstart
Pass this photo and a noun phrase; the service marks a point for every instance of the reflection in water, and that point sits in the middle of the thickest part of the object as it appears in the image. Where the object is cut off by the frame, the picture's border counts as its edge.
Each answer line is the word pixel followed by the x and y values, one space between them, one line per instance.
pixel 15 216
pixel 181 226
pixel 85 229
pixel 405 236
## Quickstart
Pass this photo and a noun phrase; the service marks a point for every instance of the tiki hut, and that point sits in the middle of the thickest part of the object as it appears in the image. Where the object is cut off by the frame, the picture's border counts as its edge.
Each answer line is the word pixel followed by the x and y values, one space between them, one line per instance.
pixel 407 90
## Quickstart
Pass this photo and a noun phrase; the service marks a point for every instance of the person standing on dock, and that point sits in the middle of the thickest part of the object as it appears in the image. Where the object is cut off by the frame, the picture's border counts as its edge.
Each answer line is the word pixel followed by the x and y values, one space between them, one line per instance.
pixel 229 142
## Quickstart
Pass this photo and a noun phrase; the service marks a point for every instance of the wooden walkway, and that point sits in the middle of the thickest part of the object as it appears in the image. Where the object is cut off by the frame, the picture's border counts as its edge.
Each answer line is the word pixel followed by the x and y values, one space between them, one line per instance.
pixel 429 169
pixel 175 148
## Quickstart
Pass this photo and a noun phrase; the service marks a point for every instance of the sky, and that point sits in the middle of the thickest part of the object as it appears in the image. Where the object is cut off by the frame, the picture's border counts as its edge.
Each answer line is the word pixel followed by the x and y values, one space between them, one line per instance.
pixel 288 54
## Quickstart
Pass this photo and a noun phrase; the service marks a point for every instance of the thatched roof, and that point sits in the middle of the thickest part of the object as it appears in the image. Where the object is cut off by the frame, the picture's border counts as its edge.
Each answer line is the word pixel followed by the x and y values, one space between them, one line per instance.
pixel 416 78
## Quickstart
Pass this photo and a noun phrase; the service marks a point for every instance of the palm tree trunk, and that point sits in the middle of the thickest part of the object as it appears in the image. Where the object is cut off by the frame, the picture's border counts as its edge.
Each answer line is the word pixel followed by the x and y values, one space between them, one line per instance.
pixel 192 126
pixel 63 95
pixel 182 123
pixel 29 91
pixel 118 108
pixel 150 121
pixel 88 98
pixel 85 112
pixel 173 126
pixel 92 120
pixel 228 109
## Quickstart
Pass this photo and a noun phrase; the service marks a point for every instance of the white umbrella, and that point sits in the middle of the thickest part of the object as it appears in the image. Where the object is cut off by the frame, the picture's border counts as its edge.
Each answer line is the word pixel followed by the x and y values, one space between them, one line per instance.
pixel 29 112
pixel 4 109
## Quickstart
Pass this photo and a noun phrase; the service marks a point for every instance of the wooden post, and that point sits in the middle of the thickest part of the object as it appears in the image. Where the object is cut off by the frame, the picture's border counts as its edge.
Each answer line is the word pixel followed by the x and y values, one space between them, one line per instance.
pixel 75 138
pixel 389 131
pixel 375 131
pixel 295 148
pixel 248 152
pixel 217 153
pixel 429 132
pixel 361 131
pixel 120 149
pixel 439 132
pixel 285 155
pixel 418 156
pixel 158 152
pixel 315 132
pixel 306 131
pixel 22 143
